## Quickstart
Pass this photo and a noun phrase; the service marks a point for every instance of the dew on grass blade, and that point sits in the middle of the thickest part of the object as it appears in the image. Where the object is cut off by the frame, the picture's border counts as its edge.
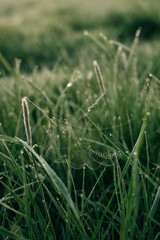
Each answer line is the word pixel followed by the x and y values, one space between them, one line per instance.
pixel 69 84
pixel 86 33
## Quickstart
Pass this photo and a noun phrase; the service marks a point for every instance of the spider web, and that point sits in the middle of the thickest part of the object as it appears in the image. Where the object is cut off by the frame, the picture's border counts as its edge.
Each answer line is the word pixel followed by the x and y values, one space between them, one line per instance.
pixel 76 141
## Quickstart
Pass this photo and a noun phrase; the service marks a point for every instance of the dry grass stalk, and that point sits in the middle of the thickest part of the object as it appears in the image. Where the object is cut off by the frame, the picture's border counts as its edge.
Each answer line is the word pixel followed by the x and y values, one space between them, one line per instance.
pixel 26 120
pixel 99 76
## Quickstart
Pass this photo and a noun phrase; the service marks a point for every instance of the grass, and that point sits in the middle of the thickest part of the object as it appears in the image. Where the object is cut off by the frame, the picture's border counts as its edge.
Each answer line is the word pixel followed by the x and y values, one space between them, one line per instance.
pixel 80 157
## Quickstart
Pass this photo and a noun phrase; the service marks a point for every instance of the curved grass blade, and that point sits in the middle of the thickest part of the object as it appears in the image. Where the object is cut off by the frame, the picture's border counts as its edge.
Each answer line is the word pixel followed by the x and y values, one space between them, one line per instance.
pixel 10 234
pixel 57 182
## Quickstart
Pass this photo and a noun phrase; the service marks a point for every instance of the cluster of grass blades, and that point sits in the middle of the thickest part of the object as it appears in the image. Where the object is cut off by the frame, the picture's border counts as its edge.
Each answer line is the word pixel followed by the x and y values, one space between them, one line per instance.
pixel 90 166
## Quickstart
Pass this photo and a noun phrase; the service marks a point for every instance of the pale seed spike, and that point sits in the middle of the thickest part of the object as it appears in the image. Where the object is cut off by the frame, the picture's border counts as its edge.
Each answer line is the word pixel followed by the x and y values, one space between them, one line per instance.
pixel 99 76
pixel 26 120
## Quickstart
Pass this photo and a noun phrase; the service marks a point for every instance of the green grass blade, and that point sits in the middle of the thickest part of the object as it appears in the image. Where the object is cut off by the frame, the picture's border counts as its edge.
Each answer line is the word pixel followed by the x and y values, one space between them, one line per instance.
pixel 10 234
pixel 16 197
pixel 57 182
pixel 155 204
pixel 135 149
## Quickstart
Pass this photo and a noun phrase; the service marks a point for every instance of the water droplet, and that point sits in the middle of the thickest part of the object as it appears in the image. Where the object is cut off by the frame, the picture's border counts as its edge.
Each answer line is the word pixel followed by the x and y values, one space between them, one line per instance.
pixel 89 109
pixel 110 134
pixel 57 136
pixel 135 153
pixel 148 113
pixel 85 33
pixel 150 74
pixel 69 84
pixel 126 151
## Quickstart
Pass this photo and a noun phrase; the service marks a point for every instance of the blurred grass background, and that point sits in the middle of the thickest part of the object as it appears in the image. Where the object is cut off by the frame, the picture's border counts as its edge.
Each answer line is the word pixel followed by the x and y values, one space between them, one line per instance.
pixel 45 32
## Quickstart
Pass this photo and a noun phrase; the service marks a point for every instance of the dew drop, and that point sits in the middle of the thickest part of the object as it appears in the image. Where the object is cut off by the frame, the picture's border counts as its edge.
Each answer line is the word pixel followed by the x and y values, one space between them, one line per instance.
pixel 89 109
pixel 148 113
pixel 69 84
pixel 85 33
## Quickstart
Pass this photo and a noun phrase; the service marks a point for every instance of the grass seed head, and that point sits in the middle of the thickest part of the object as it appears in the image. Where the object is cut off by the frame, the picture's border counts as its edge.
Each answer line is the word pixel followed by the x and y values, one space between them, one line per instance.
pixel 99 76
pixel 26 120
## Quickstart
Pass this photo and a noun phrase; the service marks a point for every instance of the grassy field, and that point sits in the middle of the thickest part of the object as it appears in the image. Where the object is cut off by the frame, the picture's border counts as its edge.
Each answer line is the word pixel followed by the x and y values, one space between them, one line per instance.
pixel 79 120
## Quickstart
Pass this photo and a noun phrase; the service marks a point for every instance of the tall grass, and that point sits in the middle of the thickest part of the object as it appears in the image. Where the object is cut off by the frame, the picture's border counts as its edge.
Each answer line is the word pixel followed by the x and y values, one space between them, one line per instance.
pixel 81 174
